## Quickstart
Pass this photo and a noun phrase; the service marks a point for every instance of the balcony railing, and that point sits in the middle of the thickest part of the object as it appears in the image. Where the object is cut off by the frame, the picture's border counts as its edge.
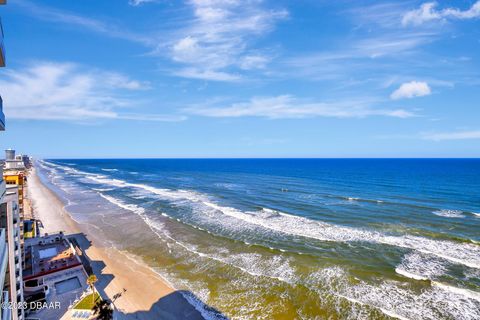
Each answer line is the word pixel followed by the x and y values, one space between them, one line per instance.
pixel 2 116
pixel 6 311
pixel 3 257
pixel 2 49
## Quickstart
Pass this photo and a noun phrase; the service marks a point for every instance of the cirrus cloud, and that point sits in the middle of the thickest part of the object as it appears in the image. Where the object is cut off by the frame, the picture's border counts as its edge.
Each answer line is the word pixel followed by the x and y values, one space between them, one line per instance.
pixel 217 40
pixel 456 135
pixel 67 91
pixel 289 107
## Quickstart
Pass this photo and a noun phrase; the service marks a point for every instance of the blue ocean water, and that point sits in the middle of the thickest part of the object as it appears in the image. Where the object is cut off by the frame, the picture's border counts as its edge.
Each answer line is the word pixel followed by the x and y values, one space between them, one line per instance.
pixel 339 238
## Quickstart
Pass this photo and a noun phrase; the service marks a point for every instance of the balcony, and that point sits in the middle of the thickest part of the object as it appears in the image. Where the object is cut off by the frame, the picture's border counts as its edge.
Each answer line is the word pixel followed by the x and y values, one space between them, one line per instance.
pixel 2 116
pixel 3 257
pixel 6 311
pixel 2 49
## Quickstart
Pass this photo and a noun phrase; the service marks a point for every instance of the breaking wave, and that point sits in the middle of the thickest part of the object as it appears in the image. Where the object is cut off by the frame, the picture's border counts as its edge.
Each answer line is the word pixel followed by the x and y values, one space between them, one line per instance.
pixel 461 253
pixel 449 213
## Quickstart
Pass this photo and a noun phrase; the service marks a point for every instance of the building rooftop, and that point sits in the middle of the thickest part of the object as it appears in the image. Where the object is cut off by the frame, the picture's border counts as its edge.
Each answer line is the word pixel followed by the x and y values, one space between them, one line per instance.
pixel 53 273
pixel 13 172
pixel 48 254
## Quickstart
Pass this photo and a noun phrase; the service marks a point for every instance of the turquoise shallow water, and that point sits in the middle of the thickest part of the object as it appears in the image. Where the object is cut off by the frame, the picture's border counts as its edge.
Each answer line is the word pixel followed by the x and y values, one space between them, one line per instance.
pixel 292 238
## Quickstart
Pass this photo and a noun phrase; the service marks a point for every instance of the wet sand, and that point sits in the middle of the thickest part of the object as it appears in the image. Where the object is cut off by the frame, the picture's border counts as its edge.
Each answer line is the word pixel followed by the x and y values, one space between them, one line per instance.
pixel 144 294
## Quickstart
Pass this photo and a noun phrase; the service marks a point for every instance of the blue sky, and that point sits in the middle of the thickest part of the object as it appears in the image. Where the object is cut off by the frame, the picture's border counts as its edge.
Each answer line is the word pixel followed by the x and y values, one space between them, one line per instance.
pixel 252 78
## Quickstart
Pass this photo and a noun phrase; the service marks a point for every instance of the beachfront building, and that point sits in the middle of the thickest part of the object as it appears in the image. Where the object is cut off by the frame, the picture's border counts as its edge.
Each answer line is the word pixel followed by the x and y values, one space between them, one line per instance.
pixel 10 221
pixel 16 178
pixel 5 312
pixel 13 162
pixel 53 273
pixel 2 116
pixel 27 161
pixel 14 174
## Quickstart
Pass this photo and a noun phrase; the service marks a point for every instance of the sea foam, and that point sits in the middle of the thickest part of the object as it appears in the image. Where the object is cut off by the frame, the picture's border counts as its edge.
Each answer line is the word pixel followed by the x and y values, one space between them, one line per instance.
pixel 449 213
pixel 127 206
pixel 462 253
pixel 418 266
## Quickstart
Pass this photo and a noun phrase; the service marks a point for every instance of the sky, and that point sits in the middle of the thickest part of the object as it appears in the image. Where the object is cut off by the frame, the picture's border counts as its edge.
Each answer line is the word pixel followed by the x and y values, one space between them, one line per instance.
pixel 233 78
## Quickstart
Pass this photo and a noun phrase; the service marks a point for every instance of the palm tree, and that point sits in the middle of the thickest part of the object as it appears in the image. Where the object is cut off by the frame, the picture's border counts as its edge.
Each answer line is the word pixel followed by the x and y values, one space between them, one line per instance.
pixel 104 310
pixel 91 282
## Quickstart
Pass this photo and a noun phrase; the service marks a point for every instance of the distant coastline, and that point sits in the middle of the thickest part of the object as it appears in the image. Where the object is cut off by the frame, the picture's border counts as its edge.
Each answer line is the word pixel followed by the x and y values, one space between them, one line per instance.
pixel 338 235
pixel 135 301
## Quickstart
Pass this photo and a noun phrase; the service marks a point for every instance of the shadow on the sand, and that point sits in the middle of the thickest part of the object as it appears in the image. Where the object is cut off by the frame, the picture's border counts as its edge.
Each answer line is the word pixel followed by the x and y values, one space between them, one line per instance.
pixel 170 307
pixel 174 306
pixel 91 266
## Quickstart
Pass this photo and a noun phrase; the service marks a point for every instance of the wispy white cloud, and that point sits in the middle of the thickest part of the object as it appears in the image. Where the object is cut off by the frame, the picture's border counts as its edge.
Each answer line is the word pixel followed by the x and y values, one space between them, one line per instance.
pixel 196 73
pixel 375 50
pixel 254 61
pixel 384 15
pixel 136 3
pixel 286 106
pixel 391 44
pixel 411 89
pixel 66 91
pixel 373 55
pixel 428 12
pixel 46 13
pixel 217 39
pixel 457 135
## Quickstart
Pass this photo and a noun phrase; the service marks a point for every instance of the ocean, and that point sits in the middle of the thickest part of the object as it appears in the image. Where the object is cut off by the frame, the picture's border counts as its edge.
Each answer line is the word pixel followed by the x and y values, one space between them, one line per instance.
pixel 291 238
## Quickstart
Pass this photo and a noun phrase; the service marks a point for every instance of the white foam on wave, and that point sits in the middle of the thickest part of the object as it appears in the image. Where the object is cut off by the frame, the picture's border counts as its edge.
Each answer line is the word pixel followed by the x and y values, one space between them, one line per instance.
pixel 109 170
pixel 164 193
pixel 476 214
pixel 102 189
pixel 397 299
pixel 420 267
pixel 254 264
pixel 65 168
pixel 449 213
pixel 402 302
pixel 228 186
pixel 358 199
pixel 334 281
pixel 206 312
pixel 390 297
pixel 383 310
pixel 459 291
pixel 462 253
pixel 127 206
pixel 407 274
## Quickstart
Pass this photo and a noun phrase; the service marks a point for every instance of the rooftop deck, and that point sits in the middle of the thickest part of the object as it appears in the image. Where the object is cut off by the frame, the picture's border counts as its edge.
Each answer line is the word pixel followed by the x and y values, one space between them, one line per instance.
pixel 48 255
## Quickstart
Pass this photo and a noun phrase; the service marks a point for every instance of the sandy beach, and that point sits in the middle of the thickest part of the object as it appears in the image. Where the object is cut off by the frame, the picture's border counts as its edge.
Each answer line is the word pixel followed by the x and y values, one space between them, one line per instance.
pixel 145 295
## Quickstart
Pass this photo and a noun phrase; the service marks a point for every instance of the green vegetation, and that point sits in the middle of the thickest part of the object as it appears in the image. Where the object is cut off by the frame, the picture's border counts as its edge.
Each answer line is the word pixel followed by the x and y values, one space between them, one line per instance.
pixel 88 302
pixel 91 283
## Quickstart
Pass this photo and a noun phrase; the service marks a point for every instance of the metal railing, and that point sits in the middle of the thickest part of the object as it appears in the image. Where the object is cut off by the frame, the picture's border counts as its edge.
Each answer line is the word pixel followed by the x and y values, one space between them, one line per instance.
pixel 6 311
pixel 2 48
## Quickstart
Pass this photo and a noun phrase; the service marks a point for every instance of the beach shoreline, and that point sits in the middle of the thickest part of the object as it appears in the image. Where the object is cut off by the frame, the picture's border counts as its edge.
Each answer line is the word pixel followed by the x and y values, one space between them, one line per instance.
pixel 117 273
